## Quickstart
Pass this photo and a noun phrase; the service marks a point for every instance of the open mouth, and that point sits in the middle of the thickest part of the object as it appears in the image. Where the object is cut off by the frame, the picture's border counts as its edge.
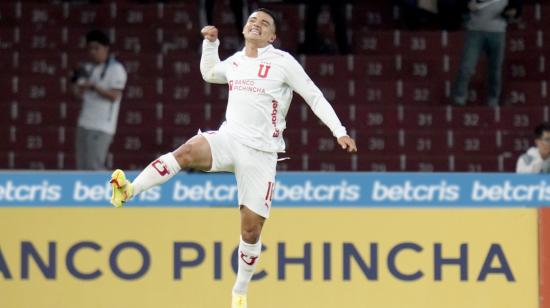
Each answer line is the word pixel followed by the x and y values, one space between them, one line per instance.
pixel 255 31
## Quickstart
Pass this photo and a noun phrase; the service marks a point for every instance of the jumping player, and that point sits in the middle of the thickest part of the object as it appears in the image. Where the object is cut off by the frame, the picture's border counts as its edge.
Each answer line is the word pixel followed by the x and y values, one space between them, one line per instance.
pixel 261 81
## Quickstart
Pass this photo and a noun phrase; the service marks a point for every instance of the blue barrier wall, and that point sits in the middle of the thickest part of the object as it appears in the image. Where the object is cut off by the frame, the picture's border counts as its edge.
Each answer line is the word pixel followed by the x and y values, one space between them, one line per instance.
pixel 310 189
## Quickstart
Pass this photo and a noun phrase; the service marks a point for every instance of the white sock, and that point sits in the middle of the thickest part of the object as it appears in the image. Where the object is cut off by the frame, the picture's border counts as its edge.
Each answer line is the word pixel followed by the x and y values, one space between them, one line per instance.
pixel 157 172
pixel 248 255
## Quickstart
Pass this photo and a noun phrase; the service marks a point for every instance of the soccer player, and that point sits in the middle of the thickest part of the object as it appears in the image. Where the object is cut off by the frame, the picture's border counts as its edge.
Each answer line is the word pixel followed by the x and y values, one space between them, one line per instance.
pixel 261 80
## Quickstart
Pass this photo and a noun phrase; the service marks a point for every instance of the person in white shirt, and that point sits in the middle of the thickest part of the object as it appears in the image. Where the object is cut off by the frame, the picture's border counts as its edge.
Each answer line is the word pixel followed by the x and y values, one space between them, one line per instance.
pixel 99 84
pixel 261 80
pixel 537 159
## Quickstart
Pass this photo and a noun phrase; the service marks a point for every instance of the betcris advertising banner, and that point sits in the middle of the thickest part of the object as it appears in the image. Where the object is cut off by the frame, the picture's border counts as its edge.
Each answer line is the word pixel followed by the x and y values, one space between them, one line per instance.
pixel 312 257
pixel 292 189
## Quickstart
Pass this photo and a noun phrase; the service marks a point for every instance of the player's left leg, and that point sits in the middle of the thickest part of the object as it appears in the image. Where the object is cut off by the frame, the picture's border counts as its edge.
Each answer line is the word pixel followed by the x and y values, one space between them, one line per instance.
pixel 250 247
pixel 255 174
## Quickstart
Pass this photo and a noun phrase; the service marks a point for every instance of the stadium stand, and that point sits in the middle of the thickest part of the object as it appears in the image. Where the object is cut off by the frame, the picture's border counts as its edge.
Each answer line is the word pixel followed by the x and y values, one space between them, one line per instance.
pixel 392 91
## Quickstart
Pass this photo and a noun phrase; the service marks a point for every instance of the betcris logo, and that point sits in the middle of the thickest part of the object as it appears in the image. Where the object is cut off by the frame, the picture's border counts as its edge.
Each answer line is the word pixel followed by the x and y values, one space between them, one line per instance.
pixel 358 262
pixel 292 189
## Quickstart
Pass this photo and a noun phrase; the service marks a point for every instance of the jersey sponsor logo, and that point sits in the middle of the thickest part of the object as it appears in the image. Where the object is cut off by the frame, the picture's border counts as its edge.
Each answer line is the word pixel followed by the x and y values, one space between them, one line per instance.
pixel 262 73
pixel 158 164
pixel 245 85
pixel 251 261
pixel 276 132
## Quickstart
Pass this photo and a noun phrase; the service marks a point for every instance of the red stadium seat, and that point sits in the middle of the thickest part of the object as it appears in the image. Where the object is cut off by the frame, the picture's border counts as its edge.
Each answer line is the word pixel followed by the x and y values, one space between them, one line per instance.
pixel 516 142
pixel 473 143
pixel 40 63
pixel 462 163
pixel 518 118
pixel 326 162
pixel 376 92
pixel 136 39
pixel 132 161
pixel 532 68
pixel 8 38
pixel 376 117
pixel 378 163
pixel 42 160
pixel 188 118
pixel 191 91
pixel 424 117
pixel 378 143
pixel 178 41
pixel 39 39
pixel 421 67
pixel 424 142
pixel 374 42
pixel 39 139
pixel 181 15
pixel 526 93
pixel 522 43
pixel 373 15
pixel 38 14
pixel 375 68
pixel 423 163
pixel 10 13
pixel 137 15
pixel 143 90
pixel 140 65
pixel 8 86
pixel 137 140
pixel 181 66
pixel 343 90
pixel 472 117
pixel 47 90
pixel 37 114
pixel 97 15
pixel 6 159
pixel 418 42
pixel 319 67
pixel 142 115
pixel 421 92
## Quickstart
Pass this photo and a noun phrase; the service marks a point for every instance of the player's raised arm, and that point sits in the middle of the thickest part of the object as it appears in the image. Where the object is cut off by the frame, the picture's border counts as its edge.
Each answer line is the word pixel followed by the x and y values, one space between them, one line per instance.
pixel 212 69
pixel 297 78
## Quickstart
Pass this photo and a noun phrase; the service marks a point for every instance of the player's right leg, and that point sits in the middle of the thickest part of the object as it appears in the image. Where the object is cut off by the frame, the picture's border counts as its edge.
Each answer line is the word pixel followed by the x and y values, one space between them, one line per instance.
pixel 194 154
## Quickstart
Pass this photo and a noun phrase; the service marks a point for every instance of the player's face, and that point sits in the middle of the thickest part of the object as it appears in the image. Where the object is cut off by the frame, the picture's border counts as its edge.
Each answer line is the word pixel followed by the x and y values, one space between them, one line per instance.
pixel 543 144
pixel 98 53
pixel 259 27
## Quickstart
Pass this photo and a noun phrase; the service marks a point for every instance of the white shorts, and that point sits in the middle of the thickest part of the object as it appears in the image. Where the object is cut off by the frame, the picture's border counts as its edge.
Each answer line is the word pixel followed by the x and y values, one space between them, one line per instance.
pixel 254 170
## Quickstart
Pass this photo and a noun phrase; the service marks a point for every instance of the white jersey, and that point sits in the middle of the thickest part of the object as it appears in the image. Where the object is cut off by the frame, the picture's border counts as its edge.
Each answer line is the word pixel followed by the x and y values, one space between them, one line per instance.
pixel 98 112
pixel 532 162
pixel 260 92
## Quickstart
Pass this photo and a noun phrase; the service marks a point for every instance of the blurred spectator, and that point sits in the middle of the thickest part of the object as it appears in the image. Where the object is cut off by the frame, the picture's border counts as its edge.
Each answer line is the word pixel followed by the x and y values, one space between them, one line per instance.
pixel 485 31
pixel 99 85
pixel 313 43
pixel 537 159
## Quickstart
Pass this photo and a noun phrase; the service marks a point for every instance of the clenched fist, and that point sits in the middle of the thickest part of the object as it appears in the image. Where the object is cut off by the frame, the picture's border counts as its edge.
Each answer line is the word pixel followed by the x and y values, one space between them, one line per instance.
pixel 210 33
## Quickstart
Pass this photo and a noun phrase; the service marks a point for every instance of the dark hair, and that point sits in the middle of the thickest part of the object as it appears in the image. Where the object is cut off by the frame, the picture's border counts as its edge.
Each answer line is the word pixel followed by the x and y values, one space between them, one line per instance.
pixel 270 13
pixel 97 36
pixel 541 128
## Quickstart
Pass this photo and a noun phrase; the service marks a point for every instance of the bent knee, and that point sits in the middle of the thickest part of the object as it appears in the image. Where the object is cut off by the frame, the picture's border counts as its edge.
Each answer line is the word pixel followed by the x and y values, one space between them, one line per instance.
pixel 251 235
pixel 184 156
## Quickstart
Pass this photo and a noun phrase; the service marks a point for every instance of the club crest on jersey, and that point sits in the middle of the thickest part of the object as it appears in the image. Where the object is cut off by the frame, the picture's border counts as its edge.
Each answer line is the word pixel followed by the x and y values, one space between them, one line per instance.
pixel 264 70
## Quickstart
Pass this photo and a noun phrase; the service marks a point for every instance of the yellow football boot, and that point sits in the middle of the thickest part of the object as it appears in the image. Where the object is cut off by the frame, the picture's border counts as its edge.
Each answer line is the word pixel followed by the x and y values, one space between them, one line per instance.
pixel 239 301
pixel 122 188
